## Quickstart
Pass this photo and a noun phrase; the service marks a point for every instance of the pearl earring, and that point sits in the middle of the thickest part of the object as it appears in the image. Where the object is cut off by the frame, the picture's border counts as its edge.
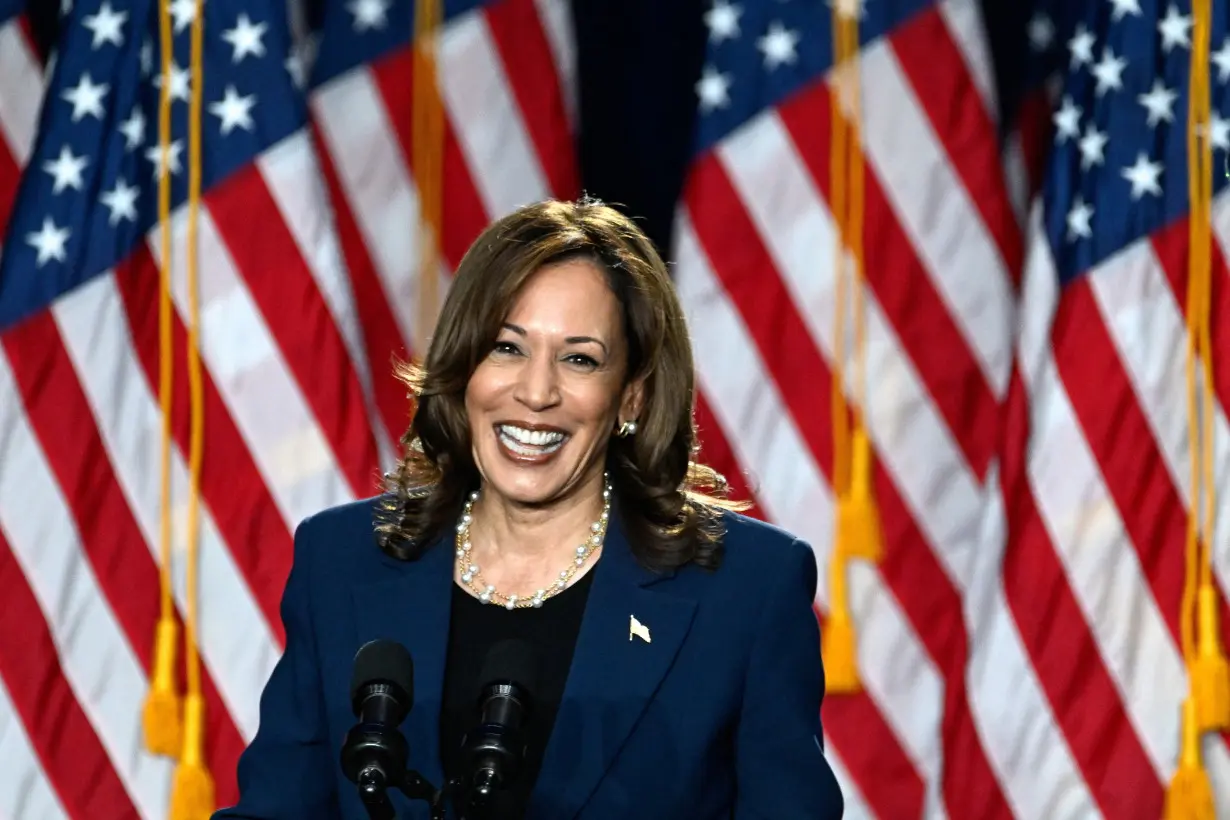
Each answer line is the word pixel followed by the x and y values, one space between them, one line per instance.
pixel 628 428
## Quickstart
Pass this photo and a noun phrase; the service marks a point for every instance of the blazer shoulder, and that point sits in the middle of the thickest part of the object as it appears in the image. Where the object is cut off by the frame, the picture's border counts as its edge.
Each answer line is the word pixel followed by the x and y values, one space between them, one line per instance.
pixel 342 530
pixel 757 556
pixel 749 542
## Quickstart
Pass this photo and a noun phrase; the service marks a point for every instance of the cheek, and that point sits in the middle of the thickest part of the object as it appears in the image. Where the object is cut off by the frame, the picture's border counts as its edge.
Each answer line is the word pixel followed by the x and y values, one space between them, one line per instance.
pixel 596 404
pixel 483 388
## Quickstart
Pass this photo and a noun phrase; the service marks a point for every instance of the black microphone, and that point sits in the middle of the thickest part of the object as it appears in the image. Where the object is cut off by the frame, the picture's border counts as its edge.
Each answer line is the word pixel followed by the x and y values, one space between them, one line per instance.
pixel 374 753
pixel 494 752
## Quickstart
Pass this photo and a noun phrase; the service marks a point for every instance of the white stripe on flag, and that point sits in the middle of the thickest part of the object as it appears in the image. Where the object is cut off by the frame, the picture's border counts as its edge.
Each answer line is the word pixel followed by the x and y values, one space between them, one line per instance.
pixel 105 675
pixel 237 643
pixel 487 119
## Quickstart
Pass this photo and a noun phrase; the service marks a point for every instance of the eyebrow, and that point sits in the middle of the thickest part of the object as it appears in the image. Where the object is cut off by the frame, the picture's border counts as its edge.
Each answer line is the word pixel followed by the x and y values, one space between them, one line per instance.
pixel 572 340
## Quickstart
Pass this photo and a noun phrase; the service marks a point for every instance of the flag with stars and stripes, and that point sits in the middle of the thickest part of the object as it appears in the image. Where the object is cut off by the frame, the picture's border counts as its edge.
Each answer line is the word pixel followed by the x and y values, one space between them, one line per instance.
pixel 306 241
pixel 939 663
pixel 1095 482
pixel 1018 642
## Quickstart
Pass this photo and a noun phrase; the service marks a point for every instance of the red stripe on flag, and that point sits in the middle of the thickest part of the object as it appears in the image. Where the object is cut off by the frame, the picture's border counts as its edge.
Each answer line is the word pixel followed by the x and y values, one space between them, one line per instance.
pixel 925 329
pixel 252 228
pixel 1083 698
pixel 747 273
pixel 27 32
pixel 530 70
pixel 62 420
pixel 10 178
pixel 69 750
pixel 1136 476
pixel 464 214
pixel 1171 246
pixel 886 778
pixel 915 576
pixel 382 340
pixel 243 510
pixel 940 80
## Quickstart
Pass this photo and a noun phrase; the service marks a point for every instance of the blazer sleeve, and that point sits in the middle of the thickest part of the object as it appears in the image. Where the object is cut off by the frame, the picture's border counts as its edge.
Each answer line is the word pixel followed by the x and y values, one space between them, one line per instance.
pixel 781 770
pixel 288 770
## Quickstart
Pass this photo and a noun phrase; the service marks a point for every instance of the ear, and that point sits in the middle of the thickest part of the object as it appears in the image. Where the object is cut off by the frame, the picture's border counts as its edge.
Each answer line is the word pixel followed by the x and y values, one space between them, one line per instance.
pixel 632 402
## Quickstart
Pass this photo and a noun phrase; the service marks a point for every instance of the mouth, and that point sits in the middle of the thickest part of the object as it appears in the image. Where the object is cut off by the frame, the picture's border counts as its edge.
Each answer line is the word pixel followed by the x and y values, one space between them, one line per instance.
pixel 529 444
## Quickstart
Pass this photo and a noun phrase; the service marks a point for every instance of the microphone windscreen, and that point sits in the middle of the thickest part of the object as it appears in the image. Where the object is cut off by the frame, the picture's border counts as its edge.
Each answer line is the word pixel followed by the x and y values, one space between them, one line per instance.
pixel 511 661
pixel 383 661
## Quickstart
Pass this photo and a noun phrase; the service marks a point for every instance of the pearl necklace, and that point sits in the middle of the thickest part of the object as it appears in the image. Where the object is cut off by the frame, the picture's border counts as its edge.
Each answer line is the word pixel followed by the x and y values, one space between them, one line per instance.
pixel 488 594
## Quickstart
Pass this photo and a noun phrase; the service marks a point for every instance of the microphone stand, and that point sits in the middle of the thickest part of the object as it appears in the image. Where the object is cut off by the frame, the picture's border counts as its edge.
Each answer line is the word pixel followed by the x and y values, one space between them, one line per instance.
pixel 373 791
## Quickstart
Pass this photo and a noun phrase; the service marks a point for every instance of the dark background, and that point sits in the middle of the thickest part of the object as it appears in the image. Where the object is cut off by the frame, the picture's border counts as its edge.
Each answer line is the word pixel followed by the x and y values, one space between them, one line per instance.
pixel 638 63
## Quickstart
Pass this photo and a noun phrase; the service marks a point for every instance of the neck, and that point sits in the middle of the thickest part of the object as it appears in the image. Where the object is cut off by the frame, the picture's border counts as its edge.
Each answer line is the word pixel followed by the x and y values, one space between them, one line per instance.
pixel 514 531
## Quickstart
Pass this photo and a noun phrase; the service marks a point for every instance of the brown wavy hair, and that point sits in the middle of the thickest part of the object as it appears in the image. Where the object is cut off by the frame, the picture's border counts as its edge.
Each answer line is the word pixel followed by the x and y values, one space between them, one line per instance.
pixel 670 504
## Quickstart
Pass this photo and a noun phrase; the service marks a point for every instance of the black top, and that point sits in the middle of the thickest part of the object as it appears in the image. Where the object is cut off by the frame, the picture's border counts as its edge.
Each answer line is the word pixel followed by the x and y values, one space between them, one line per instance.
pixel 475 627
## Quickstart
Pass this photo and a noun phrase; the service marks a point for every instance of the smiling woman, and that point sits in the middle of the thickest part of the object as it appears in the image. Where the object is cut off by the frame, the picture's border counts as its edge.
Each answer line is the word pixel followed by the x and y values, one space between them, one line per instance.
pixel 550 496
pixel 562 320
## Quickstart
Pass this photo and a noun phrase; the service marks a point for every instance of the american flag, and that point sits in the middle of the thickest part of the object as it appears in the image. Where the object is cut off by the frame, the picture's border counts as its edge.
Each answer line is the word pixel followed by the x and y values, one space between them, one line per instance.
pixel 1095 482
pixel 940 663
pixel 308 278
pixel 1018 644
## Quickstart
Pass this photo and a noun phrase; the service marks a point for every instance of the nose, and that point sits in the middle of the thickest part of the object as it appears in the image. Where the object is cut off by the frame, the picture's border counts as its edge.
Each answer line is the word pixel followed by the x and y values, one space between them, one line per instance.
pixel 538 383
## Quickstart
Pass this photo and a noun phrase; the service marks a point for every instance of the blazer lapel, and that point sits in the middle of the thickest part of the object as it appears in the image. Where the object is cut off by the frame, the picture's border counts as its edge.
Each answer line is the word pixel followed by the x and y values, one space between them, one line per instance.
pixel 614 675
pixel 412 607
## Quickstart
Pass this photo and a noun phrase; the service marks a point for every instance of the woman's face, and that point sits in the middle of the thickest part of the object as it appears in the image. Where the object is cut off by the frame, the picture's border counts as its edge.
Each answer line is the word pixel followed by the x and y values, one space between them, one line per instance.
pixel 544 402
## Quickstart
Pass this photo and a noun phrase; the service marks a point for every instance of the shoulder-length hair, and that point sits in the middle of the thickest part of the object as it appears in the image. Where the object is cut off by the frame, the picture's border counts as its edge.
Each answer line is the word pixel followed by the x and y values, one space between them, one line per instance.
pixel 670 505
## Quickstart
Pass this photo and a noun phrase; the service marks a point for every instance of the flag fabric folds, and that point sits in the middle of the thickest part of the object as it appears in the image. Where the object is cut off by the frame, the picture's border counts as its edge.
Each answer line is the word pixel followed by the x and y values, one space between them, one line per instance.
pixel 1017 644
pixel 292 259
pixel 1116 595
pixel 973 351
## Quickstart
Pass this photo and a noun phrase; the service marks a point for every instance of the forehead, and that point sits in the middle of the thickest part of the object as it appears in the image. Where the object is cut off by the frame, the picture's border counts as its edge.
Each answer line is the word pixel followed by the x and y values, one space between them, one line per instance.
pixel 570 296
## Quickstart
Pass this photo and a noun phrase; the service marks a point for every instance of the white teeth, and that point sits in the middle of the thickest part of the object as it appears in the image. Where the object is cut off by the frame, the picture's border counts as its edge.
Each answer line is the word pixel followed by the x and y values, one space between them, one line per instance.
pixel 534 438
pixel 528 449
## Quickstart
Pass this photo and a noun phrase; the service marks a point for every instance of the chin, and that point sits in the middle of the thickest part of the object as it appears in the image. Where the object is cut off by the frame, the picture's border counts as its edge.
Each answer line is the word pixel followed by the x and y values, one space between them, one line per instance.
pixel 532 481
pixel 530 491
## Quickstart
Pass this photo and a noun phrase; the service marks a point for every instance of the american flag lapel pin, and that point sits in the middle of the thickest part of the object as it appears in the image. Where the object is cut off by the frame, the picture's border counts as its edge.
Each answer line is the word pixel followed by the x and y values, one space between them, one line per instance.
pixel 638 629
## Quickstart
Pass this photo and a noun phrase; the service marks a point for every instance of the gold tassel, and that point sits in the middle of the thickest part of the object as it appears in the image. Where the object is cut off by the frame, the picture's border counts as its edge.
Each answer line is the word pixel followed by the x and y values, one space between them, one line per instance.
pixel 160 719
pixel 856 531
pixel 858 518
pixel 838 646
pixel 1189 795
pixel 1210 670
pixel 192 794
pixel 839 652
pixel 427 164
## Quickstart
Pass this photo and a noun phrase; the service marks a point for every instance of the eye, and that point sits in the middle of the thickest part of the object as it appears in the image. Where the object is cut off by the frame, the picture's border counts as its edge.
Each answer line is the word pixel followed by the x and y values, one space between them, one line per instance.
pixel 505 348
pixel 581 360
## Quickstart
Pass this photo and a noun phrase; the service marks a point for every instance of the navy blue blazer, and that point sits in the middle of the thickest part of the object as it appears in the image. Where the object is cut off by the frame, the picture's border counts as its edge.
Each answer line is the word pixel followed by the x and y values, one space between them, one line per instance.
pixel 718 716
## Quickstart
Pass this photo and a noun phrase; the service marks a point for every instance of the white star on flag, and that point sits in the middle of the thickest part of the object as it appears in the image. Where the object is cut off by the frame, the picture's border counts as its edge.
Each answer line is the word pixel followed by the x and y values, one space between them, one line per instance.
pixel 49 241
pixel 66 171
pixel 86 98
pixel 155 155
pixel 1143 176
pixel 245 38
pixel 369 14
pixel 234 111
pixel 713 88
pixel 723 21
pixel 778 45
pixel 106 25
pixel 121 201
